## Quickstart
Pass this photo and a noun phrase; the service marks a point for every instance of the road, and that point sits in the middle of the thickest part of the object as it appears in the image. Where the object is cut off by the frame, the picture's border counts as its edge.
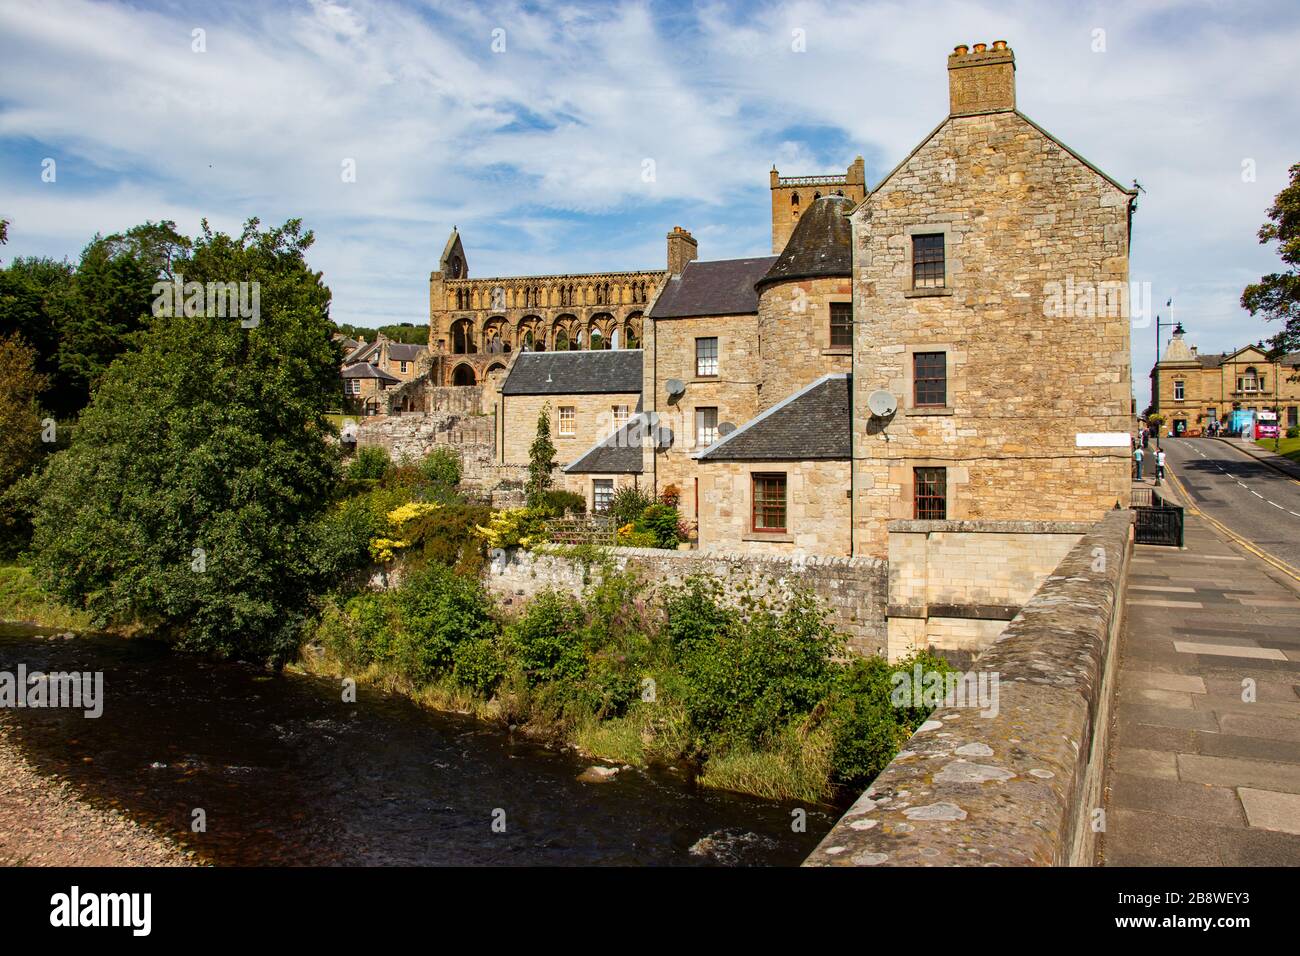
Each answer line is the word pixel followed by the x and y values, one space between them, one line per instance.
pixel 1246 496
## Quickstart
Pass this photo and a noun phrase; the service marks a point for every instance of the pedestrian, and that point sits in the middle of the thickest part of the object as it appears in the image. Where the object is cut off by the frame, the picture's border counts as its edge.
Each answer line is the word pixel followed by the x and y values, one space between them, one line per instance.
pixel 1146 436
pixel 1160 464
pixel 1137 462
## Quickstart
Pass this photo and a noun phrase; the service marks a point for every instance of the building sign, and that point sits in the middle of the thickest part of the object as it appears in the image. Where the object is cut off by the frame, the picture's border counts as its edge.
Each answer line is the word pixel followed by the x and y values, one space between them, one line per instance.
pixel 1102 440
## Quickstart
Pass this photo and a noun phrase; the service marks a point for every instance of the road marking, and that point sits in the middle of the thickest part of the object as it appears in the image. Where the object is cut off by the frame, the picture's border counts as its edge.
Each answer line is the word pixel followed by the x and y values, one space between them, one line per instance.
pixel 1293 573
pixel 1277 506
pixel 1152 603
pixel 1229 650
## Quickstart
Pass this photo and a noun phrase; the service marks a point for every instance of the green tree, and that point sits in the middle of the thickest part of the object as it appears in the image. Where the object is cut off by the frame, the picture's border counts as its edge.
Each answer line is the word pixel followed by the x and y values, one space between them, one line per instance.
pixel 20 414
pixel 188 497
pixel 31 294
pixel 1277 296
pixel 541 461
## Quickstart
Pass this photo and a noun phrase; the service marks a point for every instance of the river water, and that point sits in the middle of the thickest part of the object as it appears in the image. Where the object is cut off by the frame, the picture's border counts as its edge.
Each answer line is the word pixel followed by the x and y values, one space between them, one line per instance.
pixel 286 773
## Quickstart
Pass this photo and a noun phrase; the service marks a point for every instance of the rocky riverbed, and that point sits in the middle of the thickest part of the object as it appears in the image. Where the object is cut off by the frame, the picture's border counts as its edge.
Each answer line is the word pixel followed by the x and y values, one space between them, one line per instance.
pixel 44 822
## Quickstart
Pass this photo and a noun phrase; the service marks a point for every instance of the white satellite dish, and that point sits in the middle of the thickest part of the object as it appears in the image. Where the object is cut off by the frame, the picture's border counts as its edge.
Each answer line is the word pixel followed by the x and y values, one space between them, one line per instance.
pixel 726 428
pixel 882 403
pixel 675 386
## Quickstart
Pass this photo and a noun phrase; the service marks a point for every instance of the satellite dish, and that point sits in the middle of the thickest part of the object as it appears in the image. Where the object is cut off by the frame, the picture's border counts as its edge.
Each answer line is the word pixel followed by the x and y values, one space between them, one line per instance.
pixel 882 403
pixel 726 428
pixel 675 387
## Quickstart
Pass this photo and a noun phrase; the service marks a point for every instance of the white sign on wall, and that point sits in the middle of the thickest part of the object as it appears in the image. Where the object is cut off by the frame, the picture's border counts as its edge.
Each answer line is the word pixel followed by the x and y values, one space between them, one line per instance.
pixel 1102 440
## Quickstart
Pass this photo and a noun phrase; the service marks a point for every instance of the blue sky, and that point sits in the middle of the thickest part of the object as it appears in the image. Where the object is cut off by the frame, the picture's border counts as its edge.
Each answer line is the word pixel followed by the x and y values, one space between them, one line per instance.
pixel 536 149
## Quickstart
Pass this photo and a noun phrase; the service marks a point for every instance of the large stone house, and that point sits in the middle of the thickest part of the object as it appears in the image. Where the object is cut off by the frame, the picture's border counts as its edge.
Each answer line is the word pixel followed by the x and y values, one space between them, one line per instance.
pixel 1191 389
pixel 372 370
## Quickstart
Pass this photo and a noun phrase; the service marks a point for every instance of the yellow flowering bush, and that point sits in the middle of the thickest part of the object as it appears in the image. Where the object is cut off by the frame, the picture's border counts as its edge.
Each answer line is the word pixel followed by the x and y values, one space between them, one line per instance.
pixel 513 527
pixel 385 549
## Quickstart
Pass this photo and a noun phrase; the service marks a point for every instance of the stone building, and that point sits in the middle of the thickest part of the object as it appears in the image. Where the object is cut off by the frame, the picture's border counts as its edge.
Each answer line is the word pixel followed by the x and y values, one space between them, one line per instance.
pixel 590 397
pixel 1008 407
pixel 1191 390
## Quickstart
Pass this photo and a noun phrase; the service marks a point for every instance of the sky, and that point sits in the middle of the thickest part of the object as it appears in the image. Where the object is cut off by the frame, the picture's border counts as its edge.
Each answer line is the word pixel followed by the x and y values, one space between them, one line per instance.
pixel 570 137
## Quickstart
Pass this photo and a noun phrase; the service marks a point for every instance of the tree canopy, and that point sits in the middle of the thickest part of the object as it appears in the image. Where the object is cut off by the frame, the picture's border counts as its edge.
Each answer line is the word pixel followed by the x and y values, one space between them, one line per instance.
pixel 1277 296
pixel 187 497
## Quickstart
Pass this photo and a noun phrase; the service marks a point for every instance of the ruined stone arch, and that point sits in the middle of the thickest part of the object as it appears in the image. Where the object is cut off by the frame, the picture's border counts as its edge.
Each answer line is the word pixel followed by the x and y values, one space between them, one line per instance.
pixel 496 335
pixel 528 334
pixel 632 325
pixel 600 327
pixel 463 374
pixel 462 337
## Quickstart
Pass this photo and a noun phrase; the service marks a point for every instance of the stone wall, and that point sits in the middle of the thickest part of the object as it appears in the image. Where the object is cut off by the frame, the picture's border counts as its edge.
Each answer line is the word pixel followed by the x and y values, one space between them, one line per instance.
pixel 853 589
pixel 794 334
pixel 954 585
pixel 415 435
pixel 1019 786
pixel 594 420
pixel 817 508
pixel 670 353
pixel 1021 218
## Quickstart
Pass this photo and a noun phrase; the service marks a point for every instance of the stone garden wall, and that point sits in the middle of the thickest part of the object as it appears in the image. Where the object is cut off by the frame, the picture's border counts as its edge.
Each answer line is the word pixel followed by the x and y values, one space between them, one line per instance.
pixel 852 589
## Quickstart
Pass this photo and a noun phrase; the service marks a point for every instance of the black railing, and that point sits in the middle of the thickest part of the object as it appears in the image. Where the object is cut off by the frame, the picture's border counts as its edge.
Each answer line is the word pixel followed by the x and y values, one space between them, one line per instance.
pixel 1156 520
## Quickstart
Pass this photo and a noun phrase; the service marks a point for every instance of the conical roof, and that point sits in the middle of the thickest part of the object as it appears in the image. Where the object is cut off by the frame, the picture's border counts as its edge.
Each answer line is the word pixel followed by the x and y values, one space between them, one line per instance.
pixel 819 246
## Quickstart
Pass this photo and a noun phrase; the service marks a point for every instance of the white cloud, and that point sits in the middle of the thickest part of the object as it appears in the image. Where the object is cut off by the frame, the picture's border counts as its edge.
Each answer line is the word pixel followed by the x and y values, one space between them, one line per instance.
pixel 537 152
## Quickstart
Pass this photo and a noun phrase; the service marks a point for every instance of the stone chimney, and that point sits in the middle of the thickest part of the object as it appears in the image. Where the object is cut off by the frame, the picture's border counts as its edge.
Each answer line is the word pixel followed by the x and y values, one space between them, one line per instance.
pixel 981 80
pixel 682 248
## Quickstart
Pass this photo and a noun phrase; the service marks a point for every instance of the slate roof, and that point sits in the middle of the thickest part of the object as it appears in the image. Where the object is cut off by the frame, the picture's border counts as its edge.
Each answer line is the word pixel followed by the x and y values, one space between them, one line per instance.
pixel 1214 361
pixel 821 245
pixel 602 371
pixel 362 353
pixel 366 370
pixel 813 423
pixel 720 287
pixel 403 352
pixel 619 454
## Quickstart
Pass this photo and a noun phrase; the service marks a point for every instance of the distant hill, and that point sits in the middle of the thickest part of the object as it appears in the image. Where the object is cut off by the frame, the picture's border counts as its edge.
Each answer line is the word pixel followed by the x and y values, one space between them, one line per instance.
pixel 407 332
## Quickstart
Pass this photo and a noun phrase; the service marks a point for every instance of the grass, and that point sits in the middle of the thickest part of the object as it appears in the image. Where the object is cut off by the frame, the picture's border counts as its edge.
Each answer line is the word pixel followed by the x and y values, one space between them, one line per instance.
pixel 23 601
pixel 1289 448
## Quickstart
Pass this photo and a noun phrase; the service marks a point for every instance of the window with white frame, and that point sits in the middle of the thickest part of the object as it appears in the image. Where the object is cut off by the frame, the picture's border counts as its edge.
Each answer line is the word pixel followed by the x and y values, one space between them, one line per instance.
pixel 621 414
pixel 706 358
pixel 352 386
pixel 602 494
pixel 568 420
pixel 706 427
pixel 1178 390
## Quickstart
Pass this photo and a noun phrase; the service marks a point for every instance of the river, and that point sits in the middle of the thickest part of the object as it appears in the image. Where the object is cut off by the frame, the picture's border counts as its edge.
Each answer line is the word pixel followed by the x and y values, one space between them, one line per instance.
pixel 286 773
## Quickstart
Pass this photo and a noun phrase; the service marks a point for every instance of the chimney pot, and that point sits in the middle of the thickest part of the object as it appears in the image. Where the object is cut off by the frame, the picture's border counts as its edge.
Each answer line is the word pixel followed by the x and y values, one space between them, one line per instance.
pixel 981 47
pixel 999 44
pixel 960 49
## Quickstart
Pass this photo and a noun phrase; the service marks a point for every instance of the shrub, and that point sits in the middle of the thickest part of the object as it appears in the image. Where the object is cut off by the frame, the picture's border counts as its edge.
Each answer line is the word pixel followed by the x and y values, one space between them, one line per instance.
pixel 370 628
pixel 767 667
pixel 1293 431
pixel 629 504
pixel 513 527
pixel 435 610
pixel 661 521
pixel 477 664
pixel 442 467
pixel 370 462
pixel 867 728
pixel 670 496
pixel 449 536
pixel 608 687
pixel 695 615
pixel 547 639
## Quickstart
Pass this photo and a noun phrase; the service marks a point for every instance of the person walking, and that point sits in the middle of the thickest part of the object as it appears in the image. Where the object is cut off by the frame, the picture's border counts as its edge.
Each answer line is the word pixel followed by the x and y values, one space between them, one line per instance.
pixel 1160 464
pixel 1137 463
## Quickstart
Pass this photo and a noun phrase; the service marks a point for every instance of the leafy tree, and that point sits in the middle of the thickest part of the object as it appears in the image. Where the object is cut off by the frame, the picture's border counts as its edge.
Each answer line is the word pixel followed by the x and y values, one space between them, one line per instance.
pixel 20 415
pixel 188 497
pixel 541 461
pixel 1277 296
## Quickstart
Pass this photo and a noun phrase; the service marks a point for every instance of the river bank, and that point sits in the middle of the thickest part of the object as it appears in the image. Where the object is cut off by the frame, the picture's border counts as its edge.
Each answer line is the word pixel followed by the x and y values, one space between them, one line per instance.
pixel 45 822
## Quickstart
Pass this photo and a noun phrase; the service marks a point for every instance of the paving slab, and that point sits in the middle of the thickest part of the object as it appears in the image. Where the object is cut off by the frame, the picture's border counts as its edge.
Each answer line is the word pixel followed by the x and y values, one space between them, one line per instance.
pixel 1195 775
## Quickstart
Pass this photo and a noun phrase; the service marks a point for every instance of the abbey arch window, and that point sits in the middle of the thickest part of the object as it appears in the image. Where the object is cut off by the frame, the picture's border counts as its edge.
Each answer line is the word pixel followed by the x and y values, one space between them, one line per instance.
pixel 462 375
pixel 794 201
pixel 495 336
pixel 632 331
pixel 462 337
